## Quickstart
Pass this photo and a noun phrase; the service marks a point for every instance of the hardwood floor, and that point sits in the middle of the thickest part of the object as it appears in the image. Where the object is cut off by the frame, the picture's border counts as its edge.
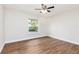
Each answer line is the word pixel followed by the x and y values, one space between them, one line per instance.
pixel 44 45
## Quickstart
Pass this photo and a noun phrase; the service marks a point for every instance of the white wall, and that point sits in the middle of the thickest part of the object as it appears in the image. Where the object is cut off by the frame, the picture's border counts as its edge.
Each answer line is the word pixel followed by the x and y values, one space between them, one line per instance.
pixel 16 26
pixel 1 28
pixel 65 26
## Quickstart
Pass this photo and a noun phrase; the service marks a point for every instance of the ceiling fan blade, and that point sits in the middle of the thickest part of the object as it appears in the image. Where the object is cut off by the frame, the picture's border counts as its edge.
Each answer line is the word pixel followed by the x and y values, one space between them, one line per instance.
pixel 48 11
pixel 50 7
pixel 38 9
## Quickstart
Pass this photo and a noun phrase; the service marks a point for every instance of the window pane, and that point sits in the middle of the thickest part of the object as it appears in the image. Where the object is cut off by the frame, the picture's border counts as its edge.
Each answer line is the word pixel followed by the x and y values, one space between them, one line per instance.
pixel 33 25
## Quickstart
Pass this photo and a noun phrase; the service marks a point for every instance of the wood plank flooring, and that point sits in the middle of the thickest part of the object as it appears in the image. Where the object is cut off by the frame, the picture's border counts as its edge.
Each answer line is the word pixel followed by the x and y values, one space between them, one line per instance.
pixel 43 45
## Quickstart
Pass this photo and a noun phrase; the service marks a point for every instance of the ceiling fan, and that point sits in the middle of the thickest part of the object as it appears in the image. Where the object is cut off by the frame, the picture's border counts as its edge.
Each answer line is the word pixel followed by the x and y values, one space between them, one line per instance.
pixel 44 8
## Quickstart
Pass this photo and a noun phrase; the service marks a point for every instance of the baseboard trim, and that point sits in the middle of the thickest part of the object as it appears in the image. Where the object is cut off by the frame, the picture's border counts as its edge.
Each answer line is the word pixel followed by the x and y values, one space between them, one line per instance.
pixel 24 39
pixel 2 48
pixel 64 40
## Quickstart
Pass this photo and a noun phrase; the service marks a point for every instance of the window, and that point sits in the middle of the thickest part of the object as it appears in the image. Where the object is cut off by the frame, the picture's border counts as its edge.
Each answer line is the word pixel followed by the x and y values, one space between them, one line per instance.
pixel 33 25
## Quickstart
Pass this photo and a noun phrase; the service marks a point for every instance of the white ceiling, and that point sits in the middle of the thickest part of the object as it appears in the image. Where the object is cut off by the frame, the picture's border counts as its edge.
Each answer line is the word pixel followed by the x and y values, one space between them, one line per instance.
pixel 30 8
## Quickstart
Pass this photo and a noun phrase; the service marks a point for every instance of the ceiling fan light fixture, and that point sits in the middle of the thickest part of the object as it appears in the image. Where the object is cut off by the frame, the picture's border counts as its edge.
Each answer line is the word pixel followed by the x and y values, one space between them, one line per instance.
pixel 44 11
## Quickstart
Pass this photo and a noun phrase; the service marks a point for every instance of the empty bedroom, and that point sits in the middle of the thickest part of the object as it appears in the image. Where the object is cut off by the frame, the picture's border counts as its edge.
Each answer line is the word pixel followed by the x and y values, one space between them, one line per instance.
pixel 39 29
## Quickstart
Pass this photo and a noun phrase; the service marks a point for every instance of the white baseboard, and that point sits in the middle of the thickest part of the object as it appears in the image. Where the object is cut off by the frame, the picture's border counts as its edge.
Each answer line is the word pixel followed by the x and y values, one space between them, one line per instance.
pixel 1 48
pixel 24 39
pixel 64 39
pixel 42 36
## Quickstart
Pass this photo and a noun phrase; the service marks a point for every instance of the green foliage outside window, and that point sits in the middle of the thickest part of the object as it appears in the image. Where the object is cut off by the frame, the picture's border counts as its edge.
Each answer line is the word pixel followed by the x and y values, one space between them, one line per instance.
pixel 33 25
